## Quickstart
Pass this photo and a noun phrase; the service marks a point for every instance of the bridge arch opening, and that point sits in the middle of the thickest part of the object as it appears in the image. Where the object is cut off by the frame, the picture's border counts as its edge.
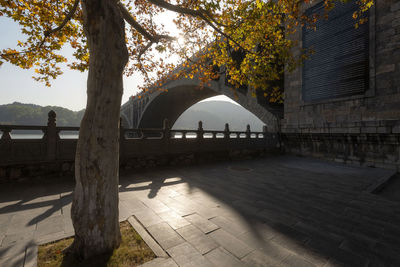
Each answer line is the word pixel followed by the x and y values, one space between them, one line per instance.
pixel 171 104
pixel 214 112
pixel 181 95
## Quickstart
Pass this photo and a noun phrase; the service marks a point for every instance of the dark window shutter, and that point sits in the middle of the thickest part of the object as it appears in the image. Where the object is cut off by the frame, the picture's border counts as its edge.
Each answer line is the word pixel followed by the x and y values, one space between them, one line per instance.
pixel 339 66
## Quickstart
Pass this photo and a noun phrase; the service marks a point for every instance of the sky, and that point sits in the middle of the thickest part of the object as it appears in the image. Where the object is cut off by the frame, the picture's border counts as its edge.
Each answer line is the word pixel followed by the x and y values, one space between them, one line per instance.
pixel 68 90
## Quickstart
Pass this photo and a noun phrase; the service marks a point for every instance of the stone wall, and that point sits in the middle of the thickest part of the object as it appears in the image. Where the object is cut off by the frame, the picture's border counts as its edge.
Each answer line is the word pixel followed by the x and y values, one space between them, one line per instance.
pixel 376 112
pixel 52 156
pixel 22 172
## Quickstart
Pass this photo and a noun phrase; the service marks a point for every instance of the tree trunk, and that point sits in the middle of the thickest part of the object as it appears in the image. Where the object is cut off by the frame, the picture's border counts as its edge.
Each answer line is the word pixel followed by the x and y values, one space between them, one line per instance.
pixel 95 202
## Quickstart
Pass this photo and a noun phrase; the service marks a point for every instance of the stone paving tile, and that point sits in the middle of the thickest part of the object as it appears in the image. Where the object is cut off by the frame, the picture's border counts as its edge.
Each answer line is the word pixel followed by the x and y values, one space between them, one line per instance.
pixel 297 261
pixel 197 239
pixel 124 212
pixel 350 259
pixel 13 261
pixel 67 224
pixel 147 217
pixel 203 244
pixel 50 225
pixel 230 243
pixel 173 219
pixel 190 232
pixel 222 258
pixel 208 213
pixel 185 255
pixel 160 262
pixel 133 204
pixel 31 256
pixel 4 223
pixel 156 206
pixel 230 226
pixel 178 207
pixel 198 199
pixel 66 210
pixel 258 236
pixel 165 235
pixel 258 258
pixel 20 223
pixel 203 224
pixel 203 199
pixel 52 237
pixel 11 239
pixel 15 249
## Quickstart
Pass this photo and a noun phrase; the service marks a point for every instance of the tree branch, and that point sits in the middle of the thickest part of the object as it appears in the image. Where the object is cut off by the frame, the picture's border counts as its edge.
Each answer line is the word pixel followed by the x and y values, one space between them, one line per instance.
pixel 203 14
pixel 152 38
pixel 175 8
pixel 67 18
pixel 127 16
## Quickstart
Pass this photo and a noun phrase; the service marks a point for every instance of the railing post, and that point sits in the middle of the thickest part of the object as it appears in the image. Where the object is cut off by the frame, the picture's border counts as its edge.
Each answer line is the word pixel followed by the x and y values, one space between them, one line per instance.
pixel 6 152
pixel 248 131
pixel 200 131
pixel 6 134
pixel 51 136
pixel 121 140
pixel 166 129
pixel 227 131
pixel 167 137
pixel 265 131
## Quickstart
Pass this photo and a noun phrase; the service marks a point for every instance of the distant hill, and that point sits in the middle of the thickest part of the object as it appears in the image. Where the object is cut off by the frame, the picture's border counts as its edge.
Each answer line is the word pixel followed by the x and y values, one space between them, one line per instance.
pixel 213 114
pixel 30 114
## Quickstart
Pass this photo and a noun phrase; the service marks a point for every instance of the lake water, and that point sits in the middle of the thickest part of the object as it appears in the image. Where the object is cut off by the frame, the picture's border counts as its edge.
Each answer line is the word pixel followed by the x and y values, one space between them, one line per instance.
pixel 40 136
pixel 75 136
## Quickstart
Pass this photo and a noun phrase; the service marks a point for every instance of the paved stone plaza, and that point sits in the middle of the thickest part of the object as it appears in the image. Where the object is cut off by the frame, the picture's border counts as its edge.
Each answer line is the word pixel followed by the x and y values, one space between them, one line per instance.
pixel 277 211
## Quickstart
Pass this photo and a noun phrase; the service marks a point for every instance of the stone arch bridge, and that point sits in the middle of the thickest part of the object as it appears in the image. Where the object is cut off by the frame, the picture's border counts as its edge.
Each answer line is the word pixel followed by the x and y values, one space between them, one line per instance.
pixel 150 110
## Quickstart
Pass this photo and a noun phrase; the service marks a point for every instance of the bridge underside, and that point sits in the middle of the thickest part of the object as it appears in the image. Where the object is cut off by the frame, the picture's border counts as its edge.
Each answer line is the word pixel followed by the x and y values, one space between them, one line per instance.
pixel 170 105
pixel 150 110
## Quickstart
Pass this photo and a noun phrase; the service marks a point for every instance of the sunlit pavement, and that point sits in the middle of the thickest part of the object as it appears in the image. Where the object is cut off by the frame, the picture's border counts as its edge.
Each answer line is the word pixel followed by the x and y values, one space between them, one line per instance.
pixel 276 211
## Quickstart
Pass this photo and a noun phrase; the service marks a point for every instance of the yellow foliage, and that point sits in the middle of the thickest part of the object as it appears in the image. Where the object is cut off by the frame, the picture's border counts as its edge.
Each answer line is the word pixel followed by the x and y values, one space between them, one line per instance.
pixel 247 40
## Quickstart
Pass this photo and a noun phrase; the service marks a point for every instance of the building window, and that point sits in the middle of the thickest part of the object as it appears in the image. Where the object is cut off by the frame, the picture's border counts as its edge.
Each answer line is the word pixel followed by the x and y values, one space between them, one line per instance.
pixel 339 67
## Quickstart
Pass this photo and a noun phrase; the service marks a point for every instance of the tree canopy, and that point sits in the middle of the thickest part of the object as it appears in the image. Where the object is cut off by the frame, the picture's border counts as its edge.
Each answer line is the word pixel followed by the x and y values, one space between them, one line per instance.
pixel 247 40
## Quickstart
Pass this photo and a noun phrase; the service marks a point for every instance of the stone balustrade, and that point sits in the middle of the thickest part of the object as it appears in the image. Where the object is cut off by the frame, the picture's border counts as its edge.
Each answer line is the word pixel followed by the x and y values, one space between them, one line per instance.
pixel 139 148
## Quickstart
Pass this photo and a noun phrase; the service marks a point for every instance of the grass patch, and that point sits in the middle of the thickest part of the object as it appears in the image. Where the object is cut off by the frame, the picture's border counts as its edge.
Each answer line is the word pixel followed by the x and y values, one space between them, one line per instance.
pixel 133 251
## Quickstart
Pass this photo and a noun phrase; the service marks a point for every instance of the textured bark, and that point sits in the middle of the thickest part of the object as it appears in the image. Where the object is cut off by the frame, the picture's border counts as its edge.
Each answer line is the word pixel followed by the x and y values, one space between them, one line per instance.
pixel 95 202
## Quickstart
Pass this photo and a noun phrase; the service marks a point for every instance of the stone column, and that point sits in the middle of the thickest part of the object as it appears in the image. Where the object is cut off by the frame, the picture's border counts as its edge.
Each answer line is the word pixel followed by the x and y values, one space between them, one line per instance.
pixel 200 131
pixel 227 131
pixel 51 136
pixel 248 131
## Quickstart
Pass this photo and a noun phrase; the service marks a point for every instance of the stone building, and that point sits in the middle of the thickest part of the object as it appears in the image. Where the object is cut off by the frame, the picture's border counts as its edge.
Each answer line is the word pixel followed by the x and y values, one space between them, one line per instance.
pixel 344 102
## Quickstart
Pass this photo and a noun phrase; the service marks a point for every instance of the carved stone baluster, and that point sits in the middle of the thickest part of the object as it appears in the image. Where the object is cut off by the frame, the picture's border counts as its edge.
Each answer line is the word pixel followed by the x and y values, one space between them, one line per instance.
pixel 121 140
pixel 51 136
pixel 166 129
pixel 200 131
pixel 6 134
pixel 248 131
pixel 227 131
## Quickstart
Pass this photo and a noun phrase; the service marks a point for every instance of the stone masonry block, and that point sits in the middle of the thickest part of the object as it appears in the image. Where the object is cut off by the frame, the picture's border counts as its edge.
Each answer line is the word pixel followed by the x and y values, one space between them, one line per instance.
pixel 395 6
pixel 368 129
pixel 385 68
pixel 396 22
pixel 383 129
pixel 354 130
pixel 396 129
